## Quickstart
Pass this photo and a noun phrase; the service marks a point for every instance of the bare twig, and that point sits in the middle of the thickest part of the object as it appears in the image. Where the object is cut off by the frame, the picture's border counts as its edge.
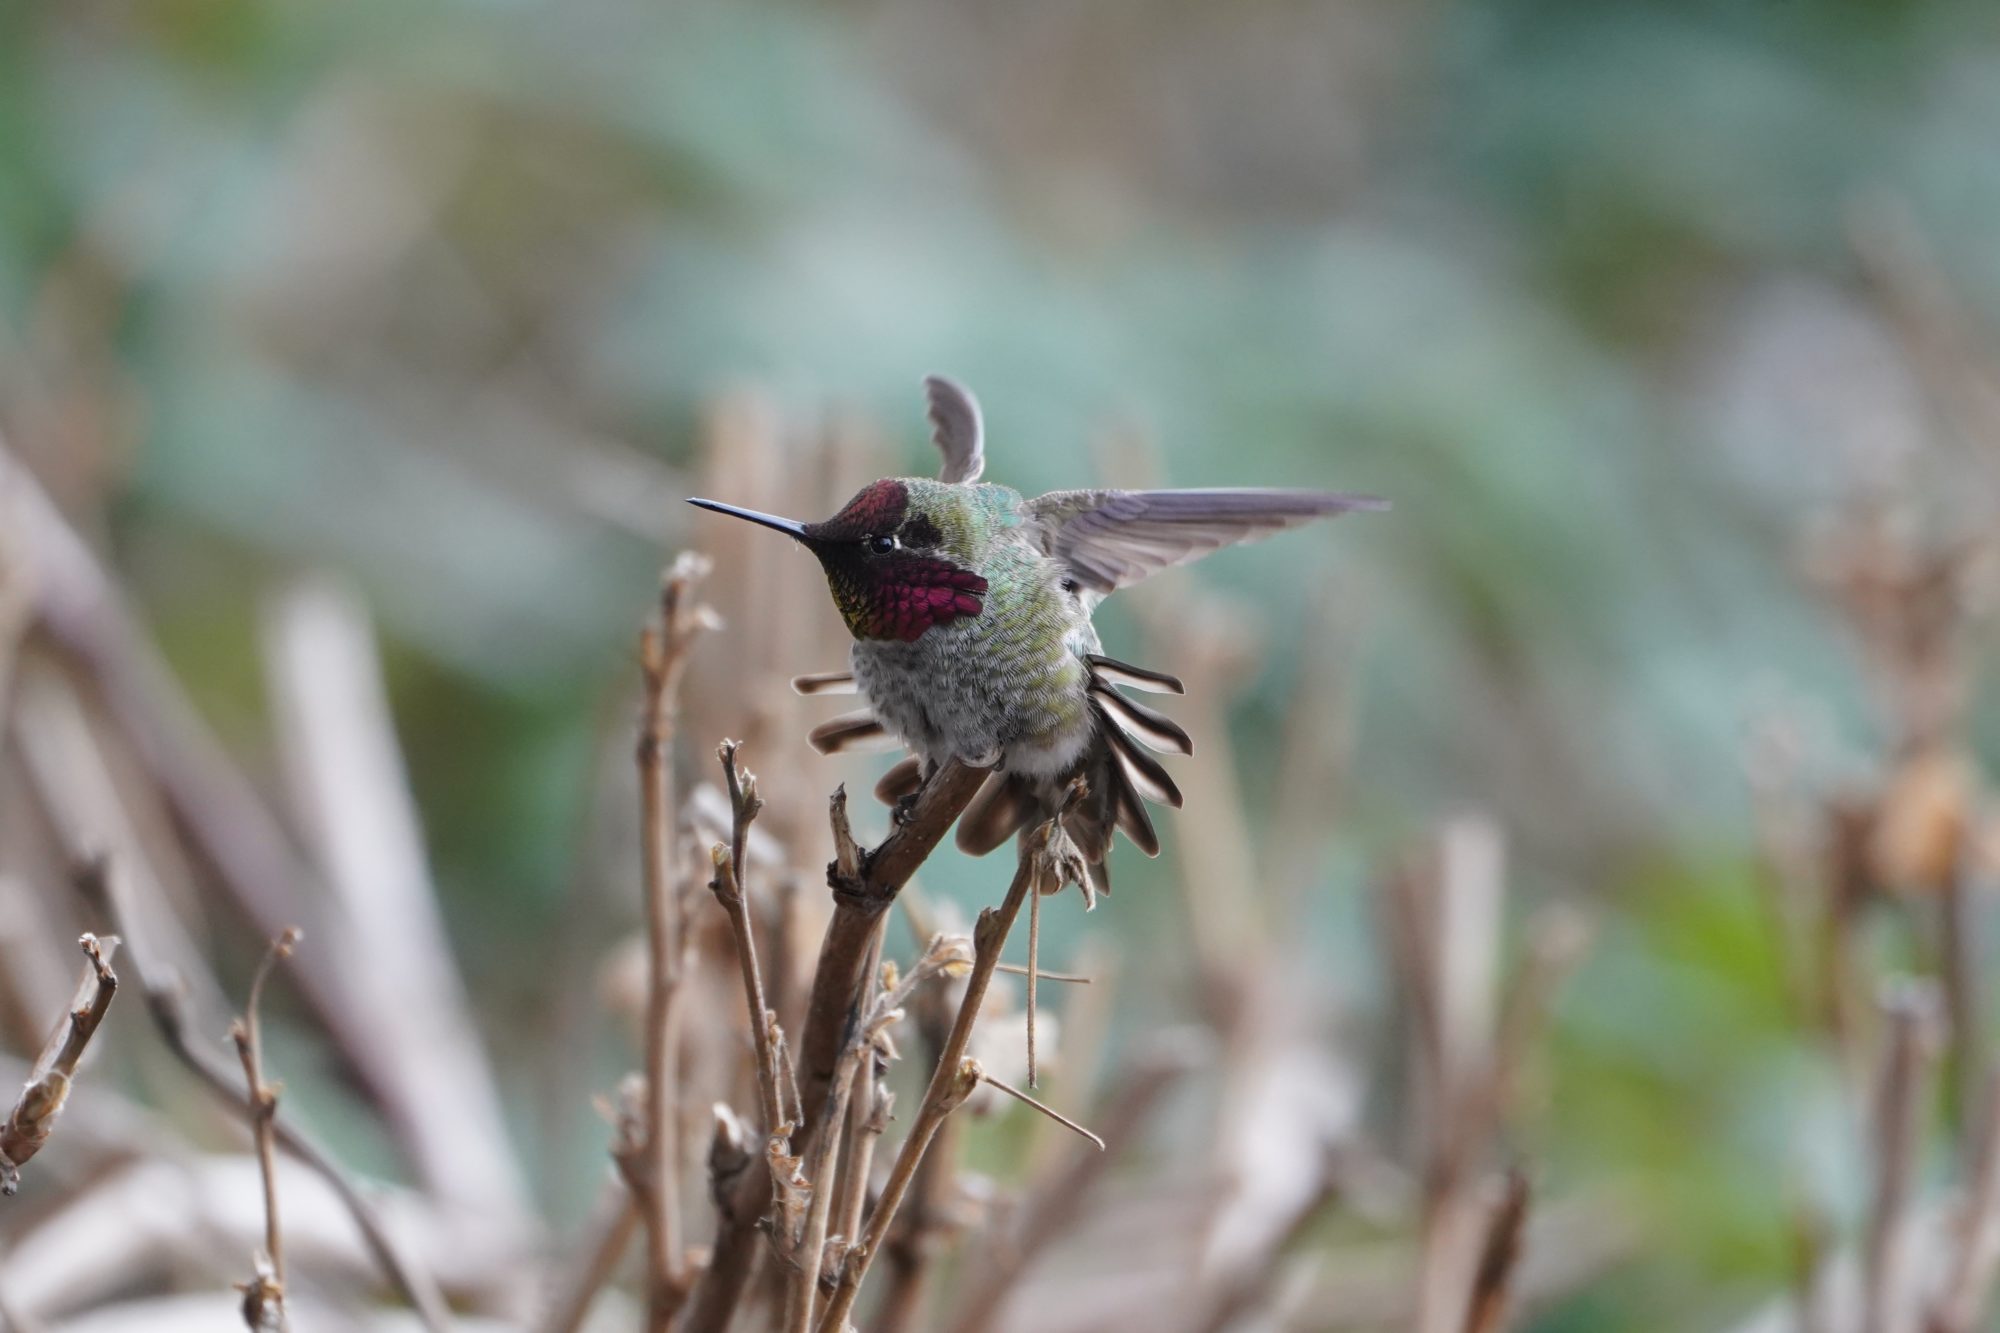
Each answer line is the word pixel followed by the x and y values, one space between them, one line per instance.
pixel 1888 1297
pixel 956 1075
pixel 864 885
pixel 802 1293
pixel 34 1115
pixel 841 1186
pixel 1448 947
pixel 1019 970
pixel 929 1216
pixel 727 885
pixel 860 896
pixel 264 1293
pixel 1056 1199
pixel 872 1106
pixel 164 1002
pixel 948 1091
pixel 216 806
pixel 1499 1255
pixel 1968 1288
pixel 868 1108
pixel 1962 958
pixel 1034 966
pixel 1043 1107
pixel 663 650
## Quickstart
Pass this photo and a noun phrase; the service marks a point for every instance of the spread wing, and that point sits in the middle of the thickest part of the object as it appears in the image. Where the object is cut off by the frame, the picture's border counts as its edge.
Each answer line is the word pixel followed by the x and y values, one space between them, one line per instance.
pixel 1111 539
pixel 957 428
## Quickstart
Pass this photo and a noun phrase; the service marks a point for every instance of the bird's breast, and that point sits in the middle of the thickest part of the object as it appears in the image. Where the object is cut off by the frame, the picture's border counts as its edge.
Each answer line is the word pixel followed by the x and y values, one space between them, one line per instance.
pixel 1008 685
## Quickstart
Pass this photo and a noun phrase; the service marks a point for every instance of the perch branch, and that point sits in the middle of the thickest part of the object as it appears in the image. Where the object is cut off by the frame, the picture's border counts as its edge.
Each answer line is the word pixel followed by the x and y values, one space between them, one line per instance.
pixel 956 1075
pixel 861 893
pixel 864 885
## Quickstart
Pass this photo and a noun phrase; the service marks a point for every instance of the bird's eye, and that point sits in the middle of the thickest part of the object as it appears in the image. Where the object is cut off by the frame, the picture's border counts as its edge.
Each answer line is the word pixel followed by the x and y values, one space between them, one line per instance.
pixel 883 544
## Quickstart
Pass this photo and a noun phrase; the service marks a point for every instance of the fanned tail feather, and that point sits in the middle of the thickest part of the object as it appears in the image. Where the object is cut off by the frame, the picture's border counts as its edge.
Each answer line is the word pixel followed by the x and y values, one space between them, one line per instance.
pixel 851 733
pixel 1002 808
pixel 1119 772
pixel 1150 725
pixel 905 779
pixel 825 682
pixel 1115 672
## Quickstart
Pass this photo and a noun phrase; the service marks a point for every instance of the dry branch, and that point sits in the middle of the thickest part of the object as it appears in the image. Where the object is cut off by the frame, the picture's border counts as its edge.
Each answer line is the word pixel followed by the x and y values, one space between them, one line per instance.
pixel 663 650
pixel 165 1003
pixel 41 1101
pixel 215 805
pixel 930 1216
pixel 264 1293
pixel 728 887
pixel 809 1248
pixel 844 1181
pixel 1969 1285
pixel 871 1109
pixel 860 897
pixel 1888 1296
pixel 864 884
pixel 1056 1199
pixel 1499 1256
pixel 1043 1108
pixel 1045 859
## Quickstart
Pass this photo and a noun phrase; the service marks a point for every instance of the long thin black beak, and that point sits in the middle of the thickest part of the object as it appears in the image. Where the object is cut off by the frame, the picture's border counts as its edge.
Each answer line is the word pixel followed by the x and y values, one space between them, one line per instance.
pixel 789 527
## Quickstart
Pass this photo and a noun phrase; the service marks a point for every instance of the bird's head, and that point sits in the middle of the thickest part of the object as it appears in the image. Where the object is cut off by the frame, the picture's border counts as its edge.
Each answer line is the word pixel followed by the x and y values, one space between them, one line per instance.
pixel 900 557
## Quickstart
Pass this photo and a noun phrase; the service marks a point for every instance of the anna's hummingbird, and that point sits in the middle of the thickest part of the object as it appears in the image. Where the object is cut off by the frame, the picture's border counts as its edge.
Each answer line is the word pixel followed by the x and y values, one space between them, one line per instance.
pixel 970 607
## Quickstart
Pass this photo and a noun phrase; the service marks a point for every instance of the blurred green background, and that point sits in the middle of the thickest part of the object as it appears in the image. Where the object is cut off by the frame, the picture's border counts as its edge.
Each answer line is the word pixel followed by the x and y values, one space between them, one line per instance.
pixel 434 295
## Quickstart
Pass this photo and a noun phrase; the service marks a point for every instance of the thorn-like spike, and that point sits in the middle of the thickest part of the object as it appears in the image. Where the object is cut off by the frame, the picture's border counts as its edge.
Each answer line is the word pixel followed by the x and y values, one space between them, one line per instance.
pixel 1002 808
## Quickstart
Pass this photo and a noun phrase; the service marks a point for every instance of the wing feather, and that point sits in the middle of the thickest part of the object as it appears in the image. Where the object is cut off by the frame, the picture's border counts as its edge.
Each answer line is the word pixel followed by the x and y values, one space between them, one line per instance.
pixel 1112 539
pixel 958 429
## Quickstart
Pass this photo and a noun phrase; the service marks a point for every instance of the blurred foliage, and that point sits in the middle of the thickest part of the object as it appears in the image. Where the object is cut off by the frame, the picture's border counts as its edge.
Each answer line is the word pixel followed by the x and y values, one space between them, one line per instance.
pixel 435 294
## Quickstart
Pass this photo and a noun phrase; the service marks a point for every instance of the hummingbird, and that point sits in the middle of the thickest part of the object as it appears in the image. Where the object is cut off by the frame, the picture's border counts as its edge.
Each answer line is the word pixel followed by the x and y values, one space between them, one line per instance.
pixel 970 606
